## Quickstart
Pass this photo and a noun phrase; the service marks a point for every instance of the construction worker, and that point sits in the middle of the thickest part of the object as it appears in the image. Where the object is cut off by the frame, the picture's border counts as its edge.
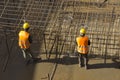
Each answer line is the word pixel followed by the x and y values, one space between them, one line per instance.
pixel 82 48
pixel 25 41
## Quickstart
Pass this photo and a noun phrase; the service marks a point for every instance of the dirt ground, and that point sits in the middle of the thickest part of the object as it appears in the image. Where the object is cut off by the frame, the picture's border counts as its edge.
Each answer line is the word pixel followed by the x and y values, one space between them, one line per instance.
pixel 67 68
pixel 97 71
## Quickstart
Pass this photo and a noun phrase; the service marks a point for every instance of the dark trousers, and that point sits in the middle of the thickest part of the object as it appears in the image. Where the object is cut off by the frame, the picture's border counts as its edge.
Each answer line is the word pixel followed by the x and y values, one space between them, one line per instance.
pixel 27 52
pixel 83 60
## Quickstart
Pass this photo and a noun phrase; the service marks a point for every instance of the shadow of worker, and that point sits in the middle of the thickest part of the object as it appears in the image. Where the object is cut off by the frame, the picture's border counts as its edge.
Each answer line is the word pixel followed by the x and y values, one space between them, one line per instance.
pixel 103 65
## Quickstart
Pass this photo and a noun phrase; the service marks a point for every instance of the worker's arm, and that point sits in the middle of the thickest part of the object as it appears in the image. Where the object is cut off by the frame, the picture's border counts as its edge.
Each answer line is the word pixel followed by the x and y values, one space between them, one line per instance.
pixel 30 39
pixel 75 42
pixel 88 42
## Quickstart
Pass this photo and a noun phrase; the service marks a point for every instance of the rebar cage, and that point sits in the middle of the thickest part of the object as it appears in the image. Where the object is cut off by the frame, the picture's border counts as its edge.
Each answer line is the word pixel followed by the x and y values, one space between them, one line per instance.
pixel 55 24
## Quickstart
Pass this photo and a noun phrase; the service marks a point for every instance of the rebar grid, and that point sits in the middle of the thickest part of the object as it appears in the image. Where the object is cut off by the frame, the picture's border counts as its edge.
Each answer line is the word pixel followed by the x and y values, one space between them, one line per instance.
pixel 55 24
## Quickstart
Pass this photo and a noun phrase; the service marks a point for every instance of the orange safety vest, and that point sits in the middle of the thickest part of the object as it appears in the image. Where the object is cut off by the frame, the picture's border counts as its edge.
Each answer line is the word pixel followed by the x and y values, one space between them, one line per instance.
pixel 82 43
pixel 23 40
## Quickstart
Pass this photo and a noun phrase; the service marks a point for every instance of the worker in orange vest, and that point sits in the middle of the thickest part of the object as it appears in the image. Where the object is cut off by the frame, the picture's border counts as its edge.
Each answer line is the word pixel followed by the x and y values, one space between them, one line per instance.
pixel 25 40
pixel 82 48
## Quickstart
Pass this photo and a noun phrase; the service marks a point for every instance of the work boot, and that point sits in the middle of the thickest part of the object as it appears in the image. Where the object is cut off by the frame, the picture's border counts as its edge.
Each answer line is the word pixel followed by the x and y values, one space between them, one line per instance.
pixel 36 59
pixel 86 67
pixel 81 65
pixel 28 62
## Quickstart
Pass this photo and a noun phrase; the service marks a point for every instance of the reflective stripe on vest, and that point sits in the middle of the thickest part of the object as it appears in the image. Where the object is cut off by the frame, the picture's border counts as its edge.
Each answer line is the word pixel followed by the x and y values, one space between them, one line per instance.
pixel 23 40
pixel 83 49
pixel 82 44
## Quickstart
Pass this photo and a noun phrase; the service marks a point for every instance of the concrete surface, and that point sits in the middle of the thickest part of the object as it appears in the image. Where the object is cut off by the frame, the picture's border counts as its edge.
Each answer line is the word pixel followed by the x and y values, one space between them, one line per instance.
pixel 67 68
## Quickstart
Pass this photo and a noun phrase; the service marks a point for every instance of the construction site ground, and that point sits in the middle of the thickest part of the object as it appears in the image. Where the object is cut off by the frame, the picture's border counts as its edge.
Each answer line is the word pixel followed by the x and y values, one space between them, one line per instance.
pixel 67 69
pixel 55 25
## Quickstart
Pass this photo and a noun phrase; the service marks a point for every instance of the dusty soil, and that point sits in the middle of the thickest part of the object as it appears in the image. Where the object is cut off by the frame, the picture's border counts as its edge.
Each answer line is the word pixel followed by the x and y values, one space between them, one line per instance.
pixel 67 69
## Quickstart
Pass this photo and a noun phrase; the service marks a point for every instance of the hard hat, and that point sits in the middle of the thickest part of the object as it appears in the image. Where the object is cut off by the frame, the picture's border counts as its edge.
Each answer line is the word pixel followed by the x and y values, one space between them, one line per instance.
pixel 82 31
pixel 26 25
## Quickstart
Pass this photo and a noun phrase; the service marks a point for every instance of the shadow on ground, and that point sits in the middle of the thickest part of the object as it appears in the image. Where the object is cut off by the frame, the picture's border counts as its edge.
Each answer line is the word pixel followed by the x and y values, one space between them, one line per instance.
pixel 103 65
pixel 74 60
pixel 64 61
